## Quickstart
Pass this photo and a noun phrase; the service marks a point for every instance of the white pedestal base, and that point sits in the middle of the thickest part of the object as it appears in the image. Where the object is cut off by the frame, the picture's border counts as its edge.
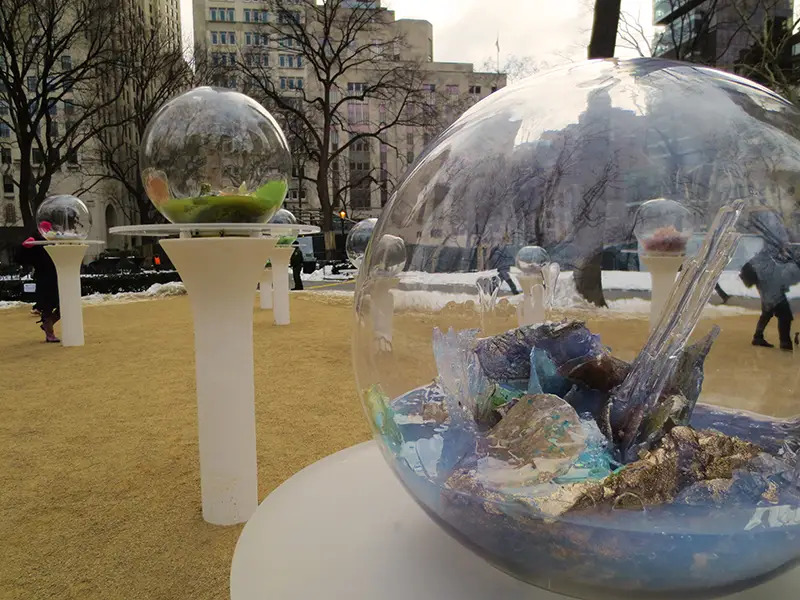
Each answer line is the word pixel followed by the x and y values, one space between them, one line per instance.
pixel 663 270
pixel 531 310
pixel 265 289
pixel 220 276
pixel 279 257
pixel 382 309
pixel 67 259
pixel 344 527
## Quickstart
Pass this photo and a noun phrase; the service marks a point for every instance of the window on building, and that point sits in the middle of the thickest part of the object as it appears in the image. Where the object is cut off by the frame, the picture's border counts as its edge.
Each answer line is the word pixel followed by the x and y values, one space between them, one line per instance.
pixel 231 37
pixel 248 38
pixel 232 58
pixel 231 15
pixel 5 130
pixel 410 140
pixel 53 108
pixel 283 83
pixel 248 60
pixel 3 107
pixel 31 83
pixel 8 184
pixel 10 213
pixel 289 16
pixel 409 157
pixel 286 42
pixel 5 156
pixel 299 83
pixel 66 62
pixel 357 113
pixel 355 88
pixel 299 62
pixel 223 59
pixel 37 156
pixel 215 58
pixel 213 13
pixel 264 17
pixel 214 38
pixel 282 60
pixel 69 108
pixel 474 89
pixel 72 156
pixel 223 37
pixel 452 90
pixel 429 87
pixel 246 15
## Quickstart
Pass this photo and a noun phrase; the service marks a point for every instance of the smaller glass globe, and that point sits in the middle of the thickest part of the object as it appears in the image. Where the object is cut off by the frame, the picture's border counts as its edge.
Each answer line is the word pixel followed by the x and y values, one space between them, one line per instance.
pixel 531 260
pixel 357 241
pixel 63 217
pixel 214 155
pixel 284 217
pixel 390 256
pixel 663 226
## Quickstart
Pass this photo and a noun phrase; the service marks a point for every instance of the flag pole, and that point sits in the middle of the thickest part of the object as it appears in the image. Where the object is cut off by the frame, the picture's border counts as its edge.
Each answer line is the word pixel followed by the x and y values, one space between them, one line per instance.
pixel 497 45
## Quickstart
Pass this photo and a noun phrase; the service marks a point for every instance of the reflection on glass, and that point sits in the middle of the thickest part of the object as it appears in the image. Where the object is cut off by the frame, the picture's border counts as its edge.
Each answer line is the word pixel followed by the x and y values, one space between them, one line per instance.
pixel 358 239
pixel 583 451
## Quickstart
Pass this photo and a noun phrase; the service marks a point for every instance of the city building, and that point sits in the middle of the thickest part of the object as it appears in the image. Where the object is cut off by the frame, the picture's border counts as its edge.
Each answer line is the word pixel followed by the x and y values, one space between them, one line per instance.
pixel 82 173
pixel 229 31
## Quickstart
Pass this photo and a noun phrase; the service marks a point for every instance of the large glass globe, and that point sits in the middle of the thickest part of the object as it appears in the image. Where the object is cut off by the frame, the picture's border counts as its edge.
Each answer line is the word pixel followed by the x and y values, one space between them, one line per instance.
pixel 63 217
pixel 594 451
pixel 214 155
pixel 358 239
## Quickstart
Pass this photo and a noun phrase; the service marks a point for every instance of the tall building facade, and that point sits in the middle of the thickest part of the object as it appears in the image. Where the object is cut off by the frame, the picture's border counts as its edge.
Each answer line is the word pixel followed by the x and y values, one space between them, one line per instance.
pixel 227 31
pixel 82 172
pixel 715 32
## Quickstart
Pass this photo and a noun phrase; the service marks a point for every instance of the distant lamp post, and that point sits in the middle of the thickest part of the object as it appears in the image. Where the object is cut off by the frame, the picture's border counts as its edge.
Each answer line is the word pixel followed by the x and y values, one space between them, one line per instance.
pixel 342 216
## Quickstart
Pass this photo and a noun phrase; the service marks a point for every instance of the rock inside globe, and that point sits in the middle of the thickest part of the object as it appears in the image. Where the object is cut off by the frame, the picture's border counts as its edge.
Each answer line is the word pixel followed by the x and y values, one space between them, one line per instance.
pixel 63 218
pixel 358 239
pixel 591 450
pixel 214 155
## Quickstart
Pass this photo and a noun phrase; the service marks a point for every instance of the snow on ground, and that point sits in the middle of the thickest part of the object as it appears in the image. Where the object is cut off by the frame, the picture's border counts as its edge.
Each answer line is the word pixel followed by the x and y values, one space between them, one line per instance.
pixel 157 290
pixel 6 304
pixel 326 274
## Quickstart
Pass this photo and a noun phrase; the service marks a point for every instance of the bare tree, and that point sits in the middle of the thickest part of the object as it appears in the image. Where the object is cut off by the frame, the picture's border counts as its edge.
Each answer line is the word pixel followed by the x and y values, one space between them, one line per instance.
pixel 156 71
pixel 355 66
pixel 515 67
pixel 60 76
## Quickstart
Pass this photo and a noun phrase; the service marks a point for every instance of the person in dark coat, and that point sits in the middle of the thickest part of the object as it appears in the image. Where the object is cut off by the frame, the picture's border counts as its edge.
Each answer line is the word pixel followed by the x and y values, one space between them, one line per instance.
pixel 502 259
pixel 46 279
pixel 773 271
pixel 296 262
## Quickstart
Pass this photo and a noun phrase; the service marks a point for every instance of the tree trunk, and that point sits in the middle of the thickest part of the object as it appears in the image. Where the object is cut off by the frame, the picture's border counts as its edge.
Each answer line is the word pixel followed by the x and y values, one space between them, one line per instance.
pixel 589 280
pixel 327 211
pixel 604 28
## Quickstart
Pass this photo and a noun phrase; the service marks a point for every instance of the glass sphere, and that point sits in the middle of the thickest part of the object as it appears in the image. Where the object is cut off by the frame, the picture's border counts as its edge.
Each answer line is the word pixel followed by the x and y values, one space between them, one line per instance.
pixel 663 226
pixel 532 259
pixel 63 217
pixel 597 452
pixel 358 239
pixel 214 155
pixel 284 217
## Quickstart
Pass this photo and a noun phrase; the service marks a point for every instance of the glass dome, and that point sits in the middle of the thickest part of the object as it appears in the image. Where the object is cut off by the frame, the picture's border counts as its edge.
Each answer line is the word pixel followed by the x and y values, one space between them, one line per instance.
pixel 214 155
pixel 284 217
pixel 63 217
pixel 358 239
pixel 591 451
pixel 663 226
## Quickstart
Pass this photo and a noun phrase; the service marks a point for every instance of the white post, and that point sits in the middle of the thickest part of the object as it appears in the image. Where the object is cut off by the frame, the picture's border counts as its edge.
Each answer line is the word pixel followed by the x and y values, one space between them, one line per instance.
pixel 531 310
pixel 220 276
pixel 67 259
pixel 663 270
pixel 382 308
pixel 279 257
pixel 265 288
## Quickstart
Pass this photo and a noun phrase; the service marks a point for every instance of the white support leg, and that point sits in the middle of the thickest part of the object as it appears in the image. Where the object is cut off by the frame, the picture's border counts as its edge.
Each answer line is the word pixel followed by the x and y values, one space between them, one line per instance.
pixel 67 259
pixel 382 308
pixel 279 257
pixel 663 270
pixel 531 310
pixel 220 276
pixel 265 289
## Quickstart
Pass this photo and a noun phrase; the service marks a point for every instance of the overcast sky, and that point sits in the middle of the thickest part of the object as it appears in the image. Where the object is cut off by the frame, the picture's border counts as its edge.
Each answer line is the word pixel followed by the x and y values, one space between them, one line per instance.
pixel 549 31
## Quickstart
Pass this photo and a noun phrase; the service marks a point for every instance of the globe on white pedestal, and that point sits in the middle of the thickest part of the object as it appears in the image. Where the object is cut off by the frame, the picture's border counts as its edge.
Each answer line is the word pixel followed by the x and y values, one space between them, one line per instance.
pixel 63 218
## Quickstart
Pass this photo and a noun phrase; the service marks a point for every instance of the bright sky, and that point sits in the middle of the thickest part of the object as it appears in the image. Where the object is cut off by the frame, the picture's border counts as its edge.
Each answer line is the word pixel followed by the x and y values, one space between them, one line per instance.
pixel 549 31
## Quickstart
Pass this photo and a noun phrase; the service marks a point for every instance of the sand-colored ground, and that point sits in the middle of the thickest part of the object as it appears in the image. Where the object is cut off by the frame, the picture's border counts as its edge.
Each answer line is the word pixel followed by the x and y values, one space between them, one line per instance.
pixel 99 487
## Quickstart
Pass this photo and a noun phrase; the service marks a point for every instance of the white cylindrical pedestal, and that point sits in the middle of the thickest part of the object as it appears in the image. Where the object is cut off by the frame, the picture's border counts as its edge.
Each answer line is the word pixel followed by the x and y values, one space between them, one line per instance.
pixel 265 288
pixel 663 269
pixel 279 257
pixel 531 310
pixel 345 527
pixel 382 308
pixel 67 259
pixel 220 276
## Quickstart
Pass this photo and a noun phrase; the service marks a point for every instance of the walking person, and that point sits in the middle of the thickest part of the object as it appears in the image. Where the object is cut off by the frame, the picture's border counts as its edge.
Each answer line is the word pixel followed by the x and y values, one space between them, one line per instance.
pixel 502 259
pixel 46 280
pixel 296 262
pixel 773 270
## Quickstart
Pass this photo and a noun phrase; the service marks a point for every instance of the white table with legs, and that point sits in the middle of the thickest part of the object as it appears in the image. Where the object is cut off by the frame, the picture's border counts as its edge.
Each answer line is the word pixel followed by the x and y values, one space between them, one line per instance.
pixel 67 256
pixel 220 265
pixel 345 528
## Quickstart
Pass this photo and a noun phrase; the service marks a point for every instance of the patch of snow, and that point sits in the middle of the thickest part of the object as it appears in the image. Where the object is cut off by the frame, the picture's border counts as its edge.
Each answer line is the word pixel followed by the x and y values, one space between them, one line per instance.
pixel 326 274
pixel 7 304
pixel 157 290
